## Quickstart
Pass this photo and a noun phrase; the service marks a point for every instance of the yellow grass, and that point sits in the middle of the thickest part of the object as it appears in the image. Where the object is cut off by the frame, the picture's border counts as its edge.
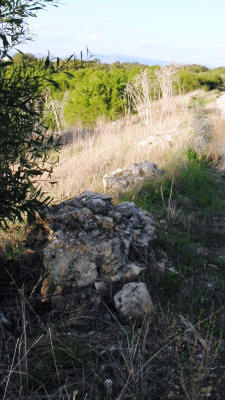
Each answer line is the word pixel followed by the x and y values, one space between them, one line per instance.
pixel 217 147
pixel 83 164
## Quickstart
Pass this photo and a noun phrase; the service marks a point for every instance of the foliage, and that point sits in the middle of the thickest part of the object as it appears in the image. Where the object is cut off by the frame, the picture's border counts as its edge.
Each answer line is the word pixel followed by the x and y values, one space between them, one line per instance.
pixel 188 80
pixel 92 93
pixel 24 148
pixel 94 90
pixel 210 80
pixel 19 59
pixel 193 77
pixel 13 26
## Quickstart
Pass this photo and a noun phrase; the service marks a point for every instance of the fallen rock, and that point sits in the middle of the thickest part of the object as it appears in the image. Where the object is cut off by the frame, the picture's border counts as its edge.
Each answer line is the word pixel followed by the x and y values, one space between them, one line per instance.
pixel 121 180
pixel 134 300
pixel 157 140
pixel 91 240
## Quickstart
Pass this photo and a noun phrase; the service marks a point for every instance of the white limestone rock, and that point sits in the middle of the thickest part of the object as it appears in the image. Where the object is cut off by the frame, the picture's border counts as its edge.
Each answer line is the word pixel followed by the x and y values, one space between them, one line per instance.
pixel 157 140
pixel 134 300
pixel 123 179
pixel 103 243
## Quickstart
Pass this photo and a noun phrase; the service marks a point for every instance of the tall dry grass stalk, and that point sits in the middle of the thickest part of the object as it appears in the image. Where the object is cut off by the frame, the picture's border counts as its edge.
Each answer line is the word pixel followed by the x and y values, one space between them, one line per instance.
pixel 140 98
pixel 83 163
pixel 167 78
pixel 143 92
pixel 55 108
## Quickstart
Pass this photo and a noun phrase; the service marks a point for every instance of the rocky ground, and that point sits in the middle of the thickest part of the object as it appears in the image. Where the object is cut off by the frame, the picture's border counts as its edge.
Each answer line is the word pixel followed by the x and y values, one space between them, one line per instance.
pixel 63 335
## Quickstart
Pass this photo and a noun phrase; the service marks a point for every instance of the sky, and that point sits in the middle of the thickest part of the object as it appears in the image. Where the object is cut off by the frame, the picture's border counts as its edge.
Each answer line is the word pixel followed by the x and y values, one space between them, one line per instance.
pixel 184 31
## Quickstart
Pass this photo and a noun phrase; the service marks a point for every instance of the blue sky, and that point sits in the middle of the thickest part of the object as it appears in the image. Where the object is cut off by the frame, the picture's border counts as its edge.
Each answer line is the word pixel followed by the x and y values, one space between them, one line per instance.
pixel 185 31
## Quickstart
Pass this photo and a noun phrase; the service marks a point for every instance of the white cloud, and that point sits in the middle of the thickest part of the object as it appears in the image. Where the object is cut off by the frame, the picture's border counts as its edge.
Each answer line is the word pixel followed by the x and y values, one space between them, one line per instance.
pixel 95 37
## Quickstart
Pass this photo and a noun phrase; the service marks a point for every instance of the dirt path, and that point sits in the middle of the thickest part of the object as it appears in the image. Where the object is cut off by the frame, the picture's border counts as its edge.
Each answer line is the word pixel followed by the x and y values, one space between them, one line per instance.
pixel 220 102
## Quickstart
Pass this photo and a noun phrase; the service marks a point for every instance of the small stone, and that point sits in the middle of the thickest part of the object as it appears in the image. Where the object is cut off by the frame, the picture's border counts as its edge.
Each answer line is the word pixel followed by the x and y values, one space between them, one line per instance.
pixel 100 287
pixel 108 385
pixel 207 390
pixel 115 216
pixel 98 206
pixel 134 300
pixel 71 203
pixel 128 272
pixel 107 223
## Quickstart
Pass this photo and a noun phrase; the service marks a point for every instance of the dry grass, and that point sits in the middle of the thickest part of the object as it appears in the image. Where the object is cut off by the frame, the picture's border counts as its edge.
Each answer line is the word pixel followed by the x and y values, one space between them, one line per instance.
pixel 217 147
pixel 71 352
pixel 83 164
pixel 117 362
pixel 11 239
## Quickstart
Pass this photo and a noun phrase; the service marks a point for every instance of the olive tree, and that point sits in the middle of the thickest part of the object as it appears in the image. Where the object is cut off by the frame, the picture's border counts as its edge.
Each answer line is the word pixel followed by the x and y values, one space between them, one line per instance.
pixel 24 149
pixel 13 21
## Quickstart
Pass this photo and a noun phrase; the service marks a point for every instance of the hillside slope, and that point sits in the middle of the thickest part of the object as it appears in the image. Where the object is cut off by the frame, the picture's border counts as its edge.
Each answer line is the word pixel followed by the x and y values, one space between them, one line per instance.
pixel 81 347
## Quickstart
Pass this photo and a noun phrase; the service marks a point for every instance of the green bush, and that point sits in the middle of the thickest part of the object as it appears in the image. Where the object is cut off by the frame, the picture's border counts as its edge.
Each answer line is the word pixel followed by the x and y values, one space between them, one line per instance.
pixel 193 77
pixel 210 80
pixel 97 90
pixel 92 93
pixel 188 81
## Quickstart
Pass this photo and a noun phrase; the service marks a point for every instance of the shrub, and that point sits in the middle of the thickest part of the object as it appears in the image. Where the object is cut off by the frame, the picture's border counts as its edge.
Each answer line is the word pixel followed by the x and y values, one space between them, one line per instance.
pixel 92 93
pixel 188 80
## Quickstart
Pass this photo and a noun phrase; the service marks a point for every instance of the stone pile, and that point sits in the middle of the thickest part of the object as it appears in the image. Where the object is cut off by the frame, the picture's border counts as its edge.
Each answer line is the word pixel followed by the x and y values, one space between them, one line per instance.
pixel 121 180
pixel 93 242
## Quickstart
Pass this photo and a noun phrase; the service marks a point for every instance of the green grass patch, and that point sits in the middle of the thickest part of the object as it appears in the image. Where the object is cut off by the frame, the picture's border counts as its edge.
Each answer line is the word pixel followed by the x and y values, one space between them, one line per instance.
pixel 149 196
pixel 193 186
pixel 170 284
pixel 14 252
pixel 185 207
pixel 68 352
pixel 200 101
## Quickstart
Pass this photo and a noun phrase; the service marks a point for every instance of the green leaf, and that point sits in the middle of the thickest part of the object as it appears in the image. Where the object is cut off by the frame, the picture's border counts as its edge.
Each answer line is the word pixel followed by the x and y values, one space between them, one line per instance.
pixel 68 74
pixel 54 83
pixel 47 62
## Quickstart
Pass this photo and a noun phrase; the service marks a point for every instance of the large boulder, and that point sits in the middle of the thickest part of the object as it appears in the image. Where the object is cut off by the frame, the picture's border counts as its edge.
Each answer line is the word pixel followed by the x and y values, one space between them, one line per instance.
pixel 90 240
pixel 122 180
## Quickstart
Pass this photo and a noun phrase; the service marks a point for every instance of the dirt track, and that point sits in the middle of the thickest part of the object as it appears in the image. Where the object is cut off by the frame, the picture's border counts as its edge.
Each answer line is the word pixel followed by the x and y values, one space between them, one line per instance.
pixel 220 102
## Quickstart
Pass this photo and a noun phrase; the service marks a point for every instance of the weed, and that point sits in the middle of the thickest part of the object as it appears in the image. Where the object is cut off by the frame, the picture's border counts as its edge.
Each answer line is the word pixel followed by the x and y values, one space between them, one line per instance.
pixel 149 196
pixel 197 183
pixel 14 253
pixel 68 351
pixel 197 158
pixel 170 284
pixel 201 101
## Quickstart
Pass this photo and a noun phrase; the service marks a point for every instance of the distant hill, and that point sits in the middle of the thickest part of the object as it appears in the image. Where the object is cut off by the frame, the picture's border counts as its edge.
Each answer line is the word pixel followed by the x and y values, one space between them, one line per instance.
pixel 109 59
pixel 123 58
